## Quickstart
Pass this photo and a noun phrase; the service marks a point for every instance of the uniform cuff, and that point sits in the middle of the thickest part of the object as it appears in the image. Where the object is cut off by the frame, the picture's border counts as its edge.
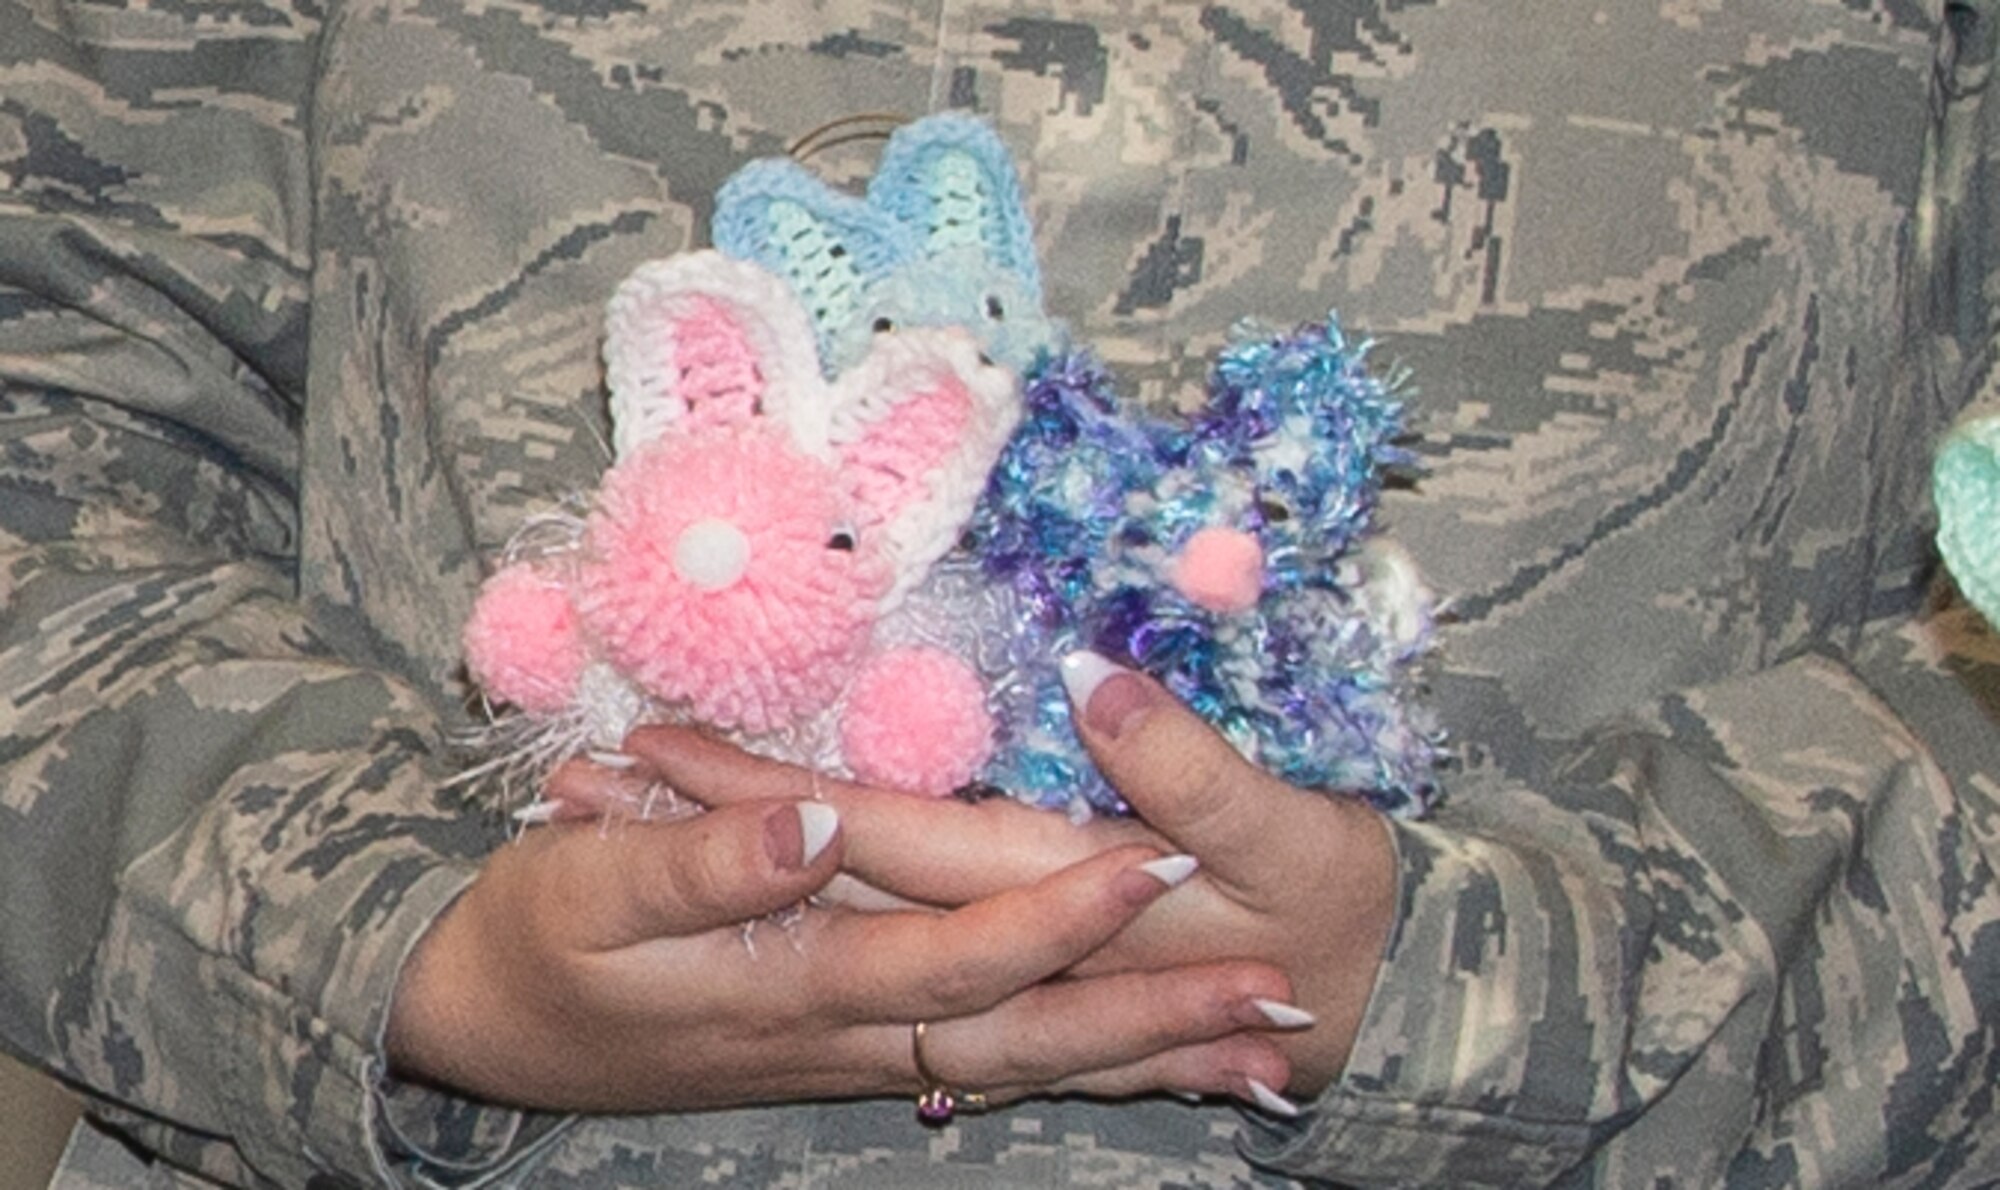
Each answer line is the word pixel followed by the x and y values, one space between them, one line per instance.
pixel 344 1121
pixel 1432 1091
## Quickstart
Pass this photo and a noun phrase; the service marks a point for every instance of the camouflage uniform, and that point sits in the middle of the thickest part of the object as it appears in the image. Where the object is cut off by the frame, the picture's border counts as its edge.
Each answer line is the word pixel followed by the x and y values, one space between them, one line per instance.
pixel 298 316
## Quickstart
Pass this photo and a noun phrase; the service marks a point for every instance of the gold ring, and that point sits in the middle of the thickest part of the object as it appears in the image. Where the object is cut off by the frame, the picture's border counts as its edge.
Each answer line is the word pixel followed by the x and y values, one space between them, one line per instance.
pixel 938 1103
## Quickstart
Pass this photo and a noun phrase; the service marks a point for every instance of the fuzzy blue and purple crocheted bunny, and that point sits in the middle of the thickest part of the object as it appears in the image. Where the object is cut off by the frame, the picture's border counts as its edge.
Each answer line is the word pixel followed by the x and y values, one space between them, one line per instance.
pixel 1231 553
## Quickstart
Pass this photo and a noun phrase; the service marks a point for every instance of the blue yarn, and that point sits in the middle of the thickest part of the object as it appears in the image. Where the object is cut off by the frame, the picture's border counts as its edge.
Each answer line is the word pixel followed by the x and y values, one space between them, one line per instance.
pixel 1965 485
pixel 832 247
pixel 943 239
pixel 950 179
pixel 1090 500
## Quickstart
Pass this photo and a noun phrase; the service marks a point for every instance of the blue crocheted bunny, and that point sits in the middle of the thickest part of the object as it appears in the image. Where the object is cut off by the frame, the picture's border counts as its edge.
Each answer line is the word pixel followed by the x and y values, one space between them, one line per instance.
pixel 943 239
pixel 1228 554
pixel 1221 553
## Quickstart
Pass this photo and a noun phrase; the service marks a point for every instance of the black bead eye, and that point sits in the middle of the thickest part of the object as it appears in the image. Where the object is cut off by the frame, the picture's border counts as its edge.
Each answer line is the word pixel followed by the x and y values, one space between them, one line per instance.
pixel 883 326
pixel 994 309
pixel 842 540
pixel 1273 512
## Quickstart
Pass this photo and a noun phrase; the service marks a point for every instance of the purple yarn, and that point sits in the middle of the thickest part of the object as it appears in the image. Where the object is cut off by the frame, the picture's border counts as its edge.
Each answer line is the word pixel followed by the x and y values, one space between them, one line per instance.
pixel 1090 496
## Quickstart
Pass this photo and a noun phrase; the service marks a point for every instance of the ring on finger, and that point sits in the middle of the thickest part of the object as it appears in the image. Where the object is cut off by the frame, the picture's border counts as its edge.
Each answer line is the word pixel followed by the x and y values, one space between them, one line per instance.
pixel 937 1103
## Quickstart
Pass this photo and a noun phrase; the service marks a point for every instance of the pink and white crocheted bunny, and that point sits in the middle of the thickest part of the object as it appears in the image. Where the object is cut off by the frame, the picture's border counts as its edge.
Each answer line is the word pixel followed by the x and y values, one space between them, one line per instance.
pixel 758 526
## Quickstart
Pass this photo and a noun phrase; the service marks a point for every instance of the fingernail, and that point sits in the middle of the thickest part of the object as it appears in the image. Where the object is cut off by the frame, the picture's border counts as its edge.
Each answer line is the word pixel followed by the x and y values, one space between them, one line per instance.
pixel 785 839
pixel 1283 1015
pixel 1142 884
pixel 612 760
pixel 795 836
pixel 817 824
pixel 1171 870
pixel 538 812
pixel 1185 1096
pixel 1271 1101
pixel 1109 697
pixel 1083 672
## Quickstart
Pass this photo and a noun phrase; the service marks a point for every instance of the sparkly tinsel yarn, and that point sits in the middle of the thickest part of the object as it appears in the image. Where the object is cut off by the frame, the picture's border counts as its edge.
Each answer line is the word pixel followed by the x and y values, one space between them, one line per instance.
pixel 1092 501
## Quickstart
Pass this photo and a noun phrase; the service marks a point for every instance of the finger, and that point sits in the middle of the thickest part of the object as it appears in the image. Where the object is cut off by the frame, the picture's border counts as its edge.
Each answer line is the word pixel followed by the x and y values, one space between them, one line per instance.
pixel 1245 1067
pixel 1063 1029
pixel 924 966
pixel 673 879
pixel 852 893
pixel 1182 777
pixel 936 851
pixel 601 786
pixel 717 773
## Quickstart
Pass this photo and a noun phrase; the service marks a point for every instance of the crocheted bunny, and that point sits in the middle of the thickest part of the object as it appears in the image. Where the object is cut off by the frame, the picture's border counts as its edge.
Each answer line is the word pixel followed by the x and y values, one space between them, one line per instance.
pixel 1965 483
pixel 1229 555
pixel 942 239
pixel 759 526
pixel 1216 553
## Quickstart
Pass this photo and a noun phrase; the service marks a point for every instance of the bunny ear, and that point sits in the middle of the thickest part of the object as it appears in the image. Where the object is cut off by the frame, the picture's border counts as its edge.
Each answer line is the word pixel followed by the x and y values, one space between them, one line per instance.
pixel 918 423
pixel 949 181
pixel 705 337
pixel 828 245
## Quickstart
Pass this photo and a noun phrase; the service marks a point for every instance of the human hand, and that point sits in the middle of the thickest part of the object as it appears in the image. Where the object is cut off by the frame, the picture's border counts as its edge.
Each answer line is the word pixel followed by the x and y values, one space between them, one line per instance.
pixel 1299 880
pixel 607 971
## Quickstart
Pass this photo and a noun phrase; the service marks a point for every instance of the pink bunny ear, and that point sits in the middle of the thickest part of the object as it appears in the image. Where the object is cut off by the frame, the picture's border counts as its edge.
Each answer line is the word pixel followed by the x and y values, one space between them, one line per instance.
pixel 918 423
pixel 711 339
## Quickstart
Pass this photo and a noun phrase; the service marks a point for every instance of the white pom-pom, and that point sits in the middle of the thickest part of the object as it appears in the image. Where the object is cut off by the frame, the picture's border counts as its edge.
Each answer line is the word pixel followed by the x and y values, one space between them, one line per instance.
pixel 711 554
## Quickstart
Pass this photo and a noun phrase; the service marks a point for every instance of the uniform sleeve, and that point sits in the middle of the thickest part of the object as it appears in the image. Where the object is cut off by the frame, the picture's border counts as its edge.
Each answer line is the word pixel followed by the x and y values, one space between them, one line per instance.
pixel 1751 936
pixel 1754 933
pixel 219 838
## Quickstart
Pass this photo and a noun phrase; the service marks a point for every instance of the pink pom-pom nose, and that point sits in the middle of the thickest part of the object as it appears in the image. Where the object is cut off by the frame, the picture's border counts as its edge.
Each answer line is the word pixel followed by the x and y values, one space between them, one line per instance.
pixel 1221 570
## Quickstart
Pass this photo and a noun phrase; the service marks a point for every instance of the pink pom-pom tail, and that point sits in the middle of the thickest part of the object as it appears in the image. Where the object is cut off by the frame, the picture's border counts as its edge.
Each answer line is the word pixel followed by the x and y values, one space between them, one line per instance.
pixel 523 642
pixel 916 719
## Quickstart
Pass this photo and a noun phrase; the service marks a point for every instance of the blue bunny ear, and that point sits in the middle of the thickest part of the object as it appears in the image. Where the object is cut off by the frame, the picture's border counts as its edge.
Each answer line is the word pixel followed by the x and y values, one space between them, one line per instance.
pixel 950 183
pixel 831 247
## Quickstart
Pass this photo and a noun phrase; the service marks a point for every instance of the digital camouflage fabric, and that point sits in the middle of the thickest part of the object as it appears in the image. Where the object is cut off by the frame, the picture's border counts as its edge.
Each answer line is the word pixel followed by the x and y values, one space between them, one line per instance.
pixel 299 309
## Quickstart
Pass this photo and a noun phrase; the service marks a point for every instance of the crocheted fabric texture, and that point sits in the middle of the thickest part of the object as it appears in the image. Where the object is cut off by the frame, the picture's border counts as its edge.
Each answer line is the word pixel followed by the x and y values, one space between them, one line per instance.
pixel 1966 486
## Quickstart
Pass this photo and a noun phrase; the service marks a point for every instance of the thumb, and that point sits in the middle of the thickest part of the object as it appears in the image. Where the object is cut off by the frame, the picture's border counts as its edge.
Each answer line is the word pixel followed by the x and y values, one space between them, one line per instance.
pixel 648 880
pixel 1181 776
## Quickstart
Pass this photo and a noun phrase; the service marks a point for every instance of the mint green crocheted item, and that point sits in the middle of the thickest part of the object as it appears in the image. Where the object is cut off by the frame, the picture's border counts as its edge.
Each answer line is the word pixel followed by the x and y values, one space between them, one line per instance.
pixel 825 275
pixel 1966 484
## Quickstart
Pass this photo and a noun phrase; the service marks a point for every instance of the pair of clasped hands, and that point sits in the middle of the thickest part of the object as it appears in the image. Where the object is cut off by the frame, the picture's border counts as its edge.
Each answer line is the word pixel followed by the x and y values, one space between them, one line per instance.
pixel 1224 944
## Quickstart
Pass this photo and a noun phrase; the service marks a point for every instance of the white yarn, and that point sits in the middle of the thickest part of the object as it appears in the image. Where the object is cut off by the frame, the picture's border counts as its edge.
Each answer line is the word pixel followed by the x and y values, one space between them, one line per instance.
pixel 640 364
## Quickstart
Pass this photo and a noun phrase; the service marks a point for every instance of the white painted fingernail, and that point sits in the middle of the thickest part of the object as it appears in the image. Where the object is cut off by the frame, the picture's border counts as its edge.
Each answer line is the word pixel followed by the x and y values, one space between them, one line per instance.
pixel 1185 1096
pixel 538 812
pixel 1171 870
pixel 817 822
pixel 612 760
pixel 1271 1101
pixel 1285 1016
pixel 1083 672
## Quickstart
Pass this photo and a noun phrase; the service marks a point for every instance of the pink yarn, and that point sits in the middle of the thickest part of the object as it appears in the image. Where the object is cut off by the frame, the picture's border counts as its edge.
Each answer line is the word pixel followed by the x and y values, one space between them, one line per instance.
pixel 890 466
pixel 778 642
pixel 916 719
pixel 758 525
pixel 523 643
pixel 1221 570
pixel 719 376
